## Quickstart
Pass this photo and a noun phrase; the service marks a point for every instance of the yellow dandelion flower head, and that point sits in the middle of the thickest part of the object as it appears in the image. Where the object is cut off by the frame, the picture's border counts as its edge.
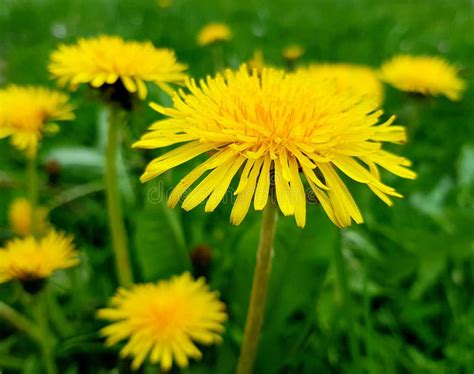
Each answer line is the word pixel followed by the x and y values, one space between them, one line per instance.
pixel 20 217
pixel 350 79
pixel 30 259
pixel 106 60
pixel 164 320
pixel 292 52
pixel 274 128
pixel 214 32
pixel 257 61
pixel 427 75
pixel 27 112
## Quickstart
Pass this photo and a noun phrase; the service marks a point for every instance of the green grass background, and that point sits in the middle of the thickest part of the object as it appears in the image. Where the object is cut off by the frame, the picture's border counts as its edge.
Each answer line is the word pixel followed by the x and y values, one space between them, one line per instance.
pixel 409 269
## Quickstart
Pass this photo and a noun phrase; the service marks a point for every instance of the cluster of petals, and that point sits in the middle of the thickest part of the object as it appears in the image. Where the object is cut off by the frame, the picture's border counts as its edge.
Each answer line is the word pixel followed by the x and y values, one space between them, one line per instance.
pixel 274 130
pixel 104 60
pixel 30 258
pixel 426 75
pixel 29 112
pixel 164 320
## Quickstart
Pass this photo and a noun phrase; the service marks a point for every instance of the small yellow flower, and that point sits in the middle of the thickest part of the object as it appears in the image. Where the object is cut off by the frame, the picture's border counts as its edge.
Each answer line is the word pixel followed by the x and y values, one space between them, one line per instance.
pixel 26 113
pixel 292 52
pixel 212 33
pixel 164 4
pixel 349 79
pixel 164 320
pixel 427 75
pixel 257 61
pixel 106 60
pixel 274 128
pixel 31 259
pixel 20 217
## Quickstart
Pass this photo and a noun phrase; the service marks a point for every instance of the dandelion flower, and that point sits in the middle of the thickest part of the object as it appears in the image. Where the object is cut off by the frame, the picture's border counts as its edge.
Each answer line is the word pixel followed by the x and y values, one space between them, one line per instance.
pixel 350 79
pixel 164 320
pixel 425 75
pixel 212 33
pixel 164 4
pixel 105 61
pixel 257 61
pixel 31 259
pixel 274 128
pixel 292 52
pixel 20 217
pixel 28 112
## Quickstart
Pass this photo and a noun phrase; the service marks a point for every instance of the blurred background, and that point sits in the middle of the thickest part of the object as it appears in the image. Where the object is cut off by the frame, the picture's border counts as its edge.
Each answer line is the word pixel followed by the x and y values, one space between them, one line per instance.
pixel 409 304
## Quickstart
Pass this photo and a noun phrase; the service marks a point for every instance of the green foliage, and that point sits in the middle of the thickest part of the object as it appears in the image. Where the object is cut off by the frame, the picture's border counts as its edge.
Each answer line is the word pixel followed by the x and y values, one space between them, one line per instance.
pixel 410 269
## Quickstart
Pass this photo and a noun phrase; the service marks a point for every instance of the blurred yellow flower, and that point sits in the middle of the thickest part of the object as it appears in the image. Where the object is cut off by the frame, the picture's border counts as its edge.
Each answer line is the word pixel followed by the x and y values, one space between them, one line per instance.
pixel 31 259
pixel 257 61
pixel 272 128
pixel 27 112
pixel 107 60
pixel 426 75
pixel 164 3
pixel 20 217
pixel 349 79
pixel 213 32
pixel 292 52
pixel 164 320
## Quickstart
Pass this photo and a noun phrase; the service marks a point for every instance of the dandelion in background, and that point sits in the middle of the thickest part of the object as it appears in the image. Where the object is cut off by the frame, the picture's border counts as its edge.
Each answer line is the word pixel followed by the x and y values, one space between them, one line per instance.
pixel 163 321
pixel 291 54
pixel 356 80
pixel 119 69
pixel 19 215
pixel 164 4
pixel 425 75
pixel 30 260
pixel 274 124
pixel 27 113
pixel 257 61
pixel 213 33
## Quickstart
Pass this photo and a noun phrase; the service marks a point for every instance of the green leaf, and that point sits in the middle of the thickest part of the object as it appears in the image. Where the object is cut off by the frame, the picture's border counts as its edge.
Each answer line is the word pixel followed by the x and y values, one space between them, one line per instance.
pixel 159 243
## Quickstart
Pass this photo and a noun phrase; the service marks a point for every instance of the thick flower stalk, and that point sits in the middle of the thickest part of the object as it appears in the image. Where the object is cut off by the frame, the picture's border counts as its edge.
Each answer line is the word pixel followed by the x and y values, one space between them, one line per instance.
pixel 163 321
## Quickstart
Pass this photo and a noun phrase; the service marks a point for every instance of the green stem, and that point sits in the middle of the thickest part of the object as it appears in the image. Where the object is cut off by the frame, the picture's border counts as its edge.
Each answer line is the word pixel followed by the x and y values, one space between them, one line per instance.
pixel 253 325
pixel 346 302
pixel 368 327
pixel 20 322
pixel 217 51
pixel 46 343
pixel 33 192
pixel 114 202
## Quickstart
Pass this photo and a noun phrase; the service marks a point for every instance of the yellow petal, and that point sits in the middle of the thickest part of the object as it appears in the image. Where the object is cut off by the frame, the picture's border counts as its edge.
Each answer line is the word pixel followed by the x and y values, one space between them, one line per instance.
pixel 263 186
pixel 244 198
pixel 282 189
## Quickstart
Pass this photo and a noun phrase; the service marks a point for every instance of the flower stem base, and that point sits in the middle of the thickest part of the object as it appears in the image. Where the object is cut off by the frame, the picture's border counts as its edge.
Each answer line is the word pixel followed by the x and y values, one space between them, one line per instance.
pixel 258 296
